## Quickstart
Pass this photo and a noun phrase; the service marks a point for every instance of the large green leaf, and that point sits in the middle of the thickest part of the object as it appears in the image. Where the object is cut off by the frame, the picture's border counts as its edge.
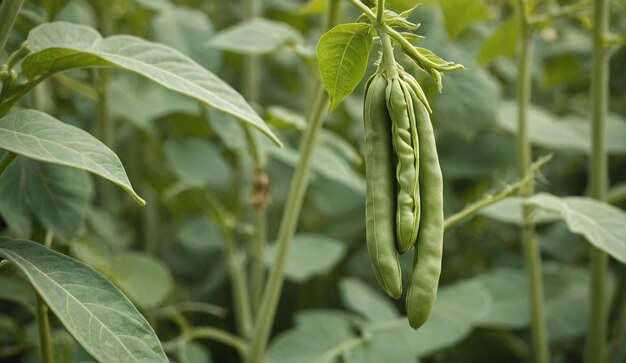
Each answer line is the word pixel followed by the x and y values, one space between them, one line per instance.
pixel 62 46
pixel 257 36
pixel 511 210
pixel 56 196
pixel 501 42
pixel 600 223
pixel 92 309
pixel 459 14
pixel 186 29
pixel 366 301
pixel 342 55
pixel 569 133
pixel 40 136
pixel 311 255
pixel 315 339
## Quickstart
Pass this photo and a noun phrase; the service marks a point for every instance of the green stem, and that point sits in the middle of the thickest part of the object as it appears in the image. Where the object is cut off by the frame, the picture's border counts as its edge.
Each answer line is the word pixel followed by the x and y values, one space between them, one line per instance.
pixel 219 336
pixel 9 10
pixel 45 337
pixel 239 283
pixel 291 214
pixel 6 161
pixel 532 255
pixel 490 199
pixel 598 311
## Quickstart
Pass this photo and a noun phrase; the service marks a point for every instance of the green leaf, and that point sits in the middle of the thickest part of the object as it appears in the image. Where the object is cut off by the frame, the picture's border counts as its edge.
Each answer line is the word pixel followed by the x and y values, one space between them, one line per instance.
pixel 501 42
pixel 366 301
pixel 145 280
pixel 508 290
pixel 62 46
pixel 600 223
pixel 90 307
pixel 186 29
pixel 57 197
pixel 311 255
pixel 510 210
pixel 314 7
pixel 342 55
pixel 459 14
pixel 256 36
pixel 17 290
pixel 317 334
pixel 40 136
pixel 198 234
pixel 197 162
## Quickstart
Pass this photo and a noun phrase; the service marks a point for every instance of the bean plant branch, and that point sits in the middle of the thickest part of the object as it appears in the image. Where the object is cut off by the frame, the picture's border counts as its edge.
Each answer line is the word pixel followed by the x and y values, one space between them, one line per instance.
pixel 251 79
pixel 491 199
pixel 219 336
pixel 532 255
pixel 239 283
pixel 598 178
pixel 291 214
pixel 45 337
pixel 9 10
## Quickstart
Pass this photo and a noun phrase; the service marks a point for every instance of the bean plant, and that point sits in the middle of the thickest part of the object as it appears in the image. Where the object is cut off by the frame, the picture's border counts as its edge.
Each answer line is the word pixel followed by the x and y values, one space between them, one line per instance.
pixel 312 181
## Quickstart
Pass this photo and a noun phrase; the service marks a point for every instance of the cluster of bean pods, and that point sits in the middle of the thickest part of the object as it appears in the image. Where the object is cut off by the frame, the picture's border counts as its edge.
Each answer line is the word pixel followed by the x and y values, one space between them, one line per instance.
pixel 404 193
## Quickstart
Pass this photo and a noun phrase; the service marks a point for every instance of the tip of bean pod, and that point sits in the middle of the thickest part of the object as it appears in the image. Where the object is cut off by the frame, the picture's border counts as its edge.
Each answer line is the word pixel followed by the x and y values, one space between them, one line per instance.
pixel 416 323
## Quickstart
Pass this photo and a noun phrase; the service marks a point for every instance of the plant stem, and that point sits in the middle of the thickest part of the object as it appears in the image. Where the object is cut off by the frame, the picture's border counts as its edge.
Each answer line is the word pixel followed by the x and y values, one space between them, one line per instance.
pixel 532 255
pixel 239 283
pixel 598 311
pixel 220 336
pixel 6 161
pixel 291 214
pixel 9 10
pixel 490 199
pixel 45 337
pixel 252 73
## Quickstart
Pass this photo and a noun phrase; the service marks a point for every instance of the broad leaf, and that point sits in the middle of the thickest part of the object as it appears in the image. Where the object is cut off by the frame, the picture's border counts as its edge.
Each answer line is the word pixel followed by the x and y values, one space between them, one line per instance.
pixel 459 14
pixel 315 338
pixel 366 301
pixel 186 29
pixel 501 42
pixel 511 210
pixel 342 55
pixel 57 197
pixel 40 136
pixel 311 255
pixel 257 36
pixel 63 46
pixel 92 309
pixel 197 162
pixel 570 133
pixel 145 280
pixel 600 223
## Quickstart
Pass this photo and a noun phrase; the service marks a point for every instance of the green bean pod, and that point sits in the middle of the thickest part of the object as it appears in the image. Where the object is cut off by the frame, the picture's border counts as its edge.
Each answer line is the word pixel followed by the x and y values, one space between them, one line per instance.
pixel 380 188
pixel 405 143
pixel 429 248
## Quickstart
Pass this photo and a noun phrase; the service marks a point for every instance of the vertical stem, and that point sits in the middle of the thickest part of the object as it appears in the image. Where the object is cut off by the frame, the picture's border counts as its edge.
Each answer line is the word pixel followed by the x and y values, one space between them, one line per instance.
pixel 291 214
pixel 597 333
pixel 9 10
pixel 251 82
pixel 45 337
pixel 532 254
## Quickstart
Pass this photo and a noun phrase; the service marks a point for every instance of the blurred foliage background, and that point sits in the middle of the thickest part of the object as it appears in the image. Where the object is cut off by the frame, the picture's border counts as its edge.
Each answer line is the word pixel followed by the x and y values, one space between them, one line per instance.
pixel 168 256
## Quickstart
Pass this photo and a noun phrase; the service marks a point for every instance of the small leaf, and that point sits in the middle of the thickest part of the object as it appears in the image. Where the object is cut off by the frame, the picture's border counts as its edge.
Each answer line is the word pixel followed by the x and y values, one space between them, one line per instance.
pixel 90 307
pixel 600 223
pixel 62 46
pixel 311 255
pixel 197 162
pixel 40 136
pixel 342 55
pixel 314 7
pixel 257 36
